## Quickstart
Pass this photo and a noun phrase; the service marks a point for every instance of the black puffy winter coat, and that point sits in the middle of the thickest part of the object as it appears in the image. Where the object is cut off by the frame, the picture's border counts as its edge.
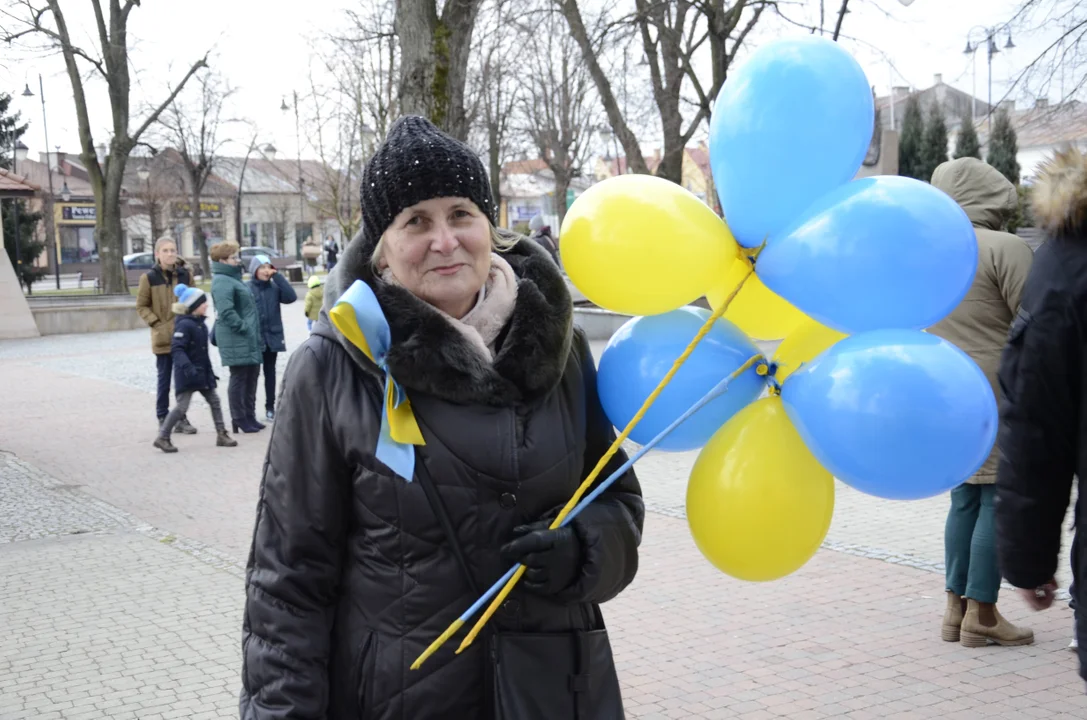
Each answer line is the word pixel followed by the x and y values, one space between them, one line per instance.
pixel 350 576
pixel 1043 380
pixel 189 349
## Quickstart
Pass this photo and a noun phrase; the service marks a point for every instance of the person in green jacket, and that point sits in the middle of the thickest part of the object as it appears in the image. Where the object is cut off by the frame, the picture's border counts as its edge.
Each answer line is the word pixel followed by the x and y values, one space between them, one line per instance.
pixel 315 298
pixel 237 333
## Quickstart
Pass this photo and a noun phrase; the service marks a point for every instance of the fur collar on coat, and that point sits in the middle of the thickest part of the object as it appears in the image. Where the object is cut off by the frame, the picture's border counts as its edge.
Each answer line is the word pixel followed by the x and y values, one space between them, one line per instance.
pixel 429 355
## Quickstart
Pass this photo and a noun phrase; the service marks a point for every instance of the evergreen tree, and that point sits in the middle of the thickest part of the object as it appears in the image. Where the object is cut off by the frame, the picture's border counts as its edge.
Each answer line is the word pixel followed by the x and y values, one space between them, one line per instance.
pixel 933 142
pixel 967 144
pixel 1004 147
pixel 29 247
pixel 909 144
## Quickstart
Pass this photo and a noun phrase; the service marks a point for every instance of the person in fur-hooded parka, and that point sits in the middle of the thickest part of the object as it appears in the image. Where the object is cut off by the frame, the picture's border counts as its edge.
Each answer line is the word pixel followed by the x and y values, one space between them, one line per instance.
pixel 1043 413
pixel 351 575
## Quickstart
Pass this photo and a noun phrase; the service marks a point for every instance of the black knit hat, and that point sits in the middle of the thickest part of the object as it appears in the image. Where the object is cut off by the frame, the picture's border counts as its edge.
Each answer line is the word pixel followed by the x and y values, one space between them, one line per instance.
pixel 419 162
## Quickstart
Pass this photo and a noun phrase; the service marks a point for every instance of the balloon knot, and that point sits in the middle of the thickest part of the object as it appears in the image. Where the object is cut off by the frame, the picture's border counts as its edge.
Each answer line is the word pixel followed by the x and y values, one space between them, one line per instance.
pixel 762 369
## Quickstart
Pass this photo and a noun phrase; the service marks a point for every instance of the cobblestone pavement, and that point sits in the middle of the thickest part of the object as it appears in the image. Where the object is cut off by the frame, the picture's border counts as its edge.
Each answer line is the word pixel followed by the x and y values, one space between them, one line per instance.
pixel 123 587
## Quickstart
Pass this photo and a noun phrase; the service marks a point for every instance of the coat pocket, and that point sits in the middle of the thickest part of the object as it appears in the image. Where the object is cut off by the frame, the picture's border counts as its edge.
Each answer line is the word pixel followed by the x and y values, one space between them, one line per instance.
pixel 364 675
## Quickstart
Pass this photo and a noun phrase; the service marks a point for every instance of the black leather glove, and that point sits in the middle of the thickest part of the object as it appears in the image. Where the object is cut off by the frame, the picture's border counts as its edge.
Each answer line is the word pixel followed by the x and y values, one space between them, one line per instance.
pixel 552 558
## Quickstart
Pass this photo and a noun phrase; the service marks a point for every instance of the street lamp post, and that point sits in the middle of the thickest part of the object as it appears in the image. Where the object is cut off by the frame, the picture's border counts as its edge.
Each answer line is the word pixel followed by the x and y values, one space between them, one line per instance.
pixel 15 209
pixel 991 49
pixel 301 180
pixel 49 174
pixel 606 133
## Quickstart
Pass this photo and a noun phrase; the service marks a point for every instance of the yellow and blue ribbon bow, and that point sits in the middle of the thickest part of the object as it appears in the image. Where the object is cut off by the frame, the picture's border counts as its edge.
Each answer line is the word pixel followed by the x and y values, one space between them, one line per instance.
pixel 358 315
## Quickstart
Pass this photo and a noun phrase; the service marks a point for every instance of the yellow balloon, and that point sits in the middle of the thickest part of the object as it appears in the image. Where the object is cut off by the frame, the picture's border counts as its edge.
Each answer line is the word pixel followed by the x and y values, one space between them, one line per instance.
pixel 758 503
pixel 756 309
pixel 803 345
pixel 642 245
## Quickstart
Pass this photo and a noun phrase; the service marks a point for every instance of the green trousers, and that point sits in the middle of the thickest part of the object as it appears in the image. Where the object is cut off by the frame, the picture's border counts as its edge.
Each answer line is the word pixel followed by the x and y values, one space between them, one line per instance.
pixel 970 544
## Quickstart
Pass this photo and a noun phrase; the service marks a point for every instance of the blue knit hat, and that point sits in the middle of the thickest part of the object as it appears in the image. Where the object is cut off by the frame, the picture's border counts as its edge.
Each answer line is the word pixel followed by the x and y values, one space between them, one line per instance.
pixel 188 298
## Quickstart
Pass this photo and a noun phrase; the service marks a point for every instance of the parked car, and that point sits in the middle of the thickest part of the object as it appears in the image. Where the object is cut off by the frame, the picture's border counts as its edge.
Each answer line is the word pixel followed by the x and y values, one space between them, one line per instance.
pixel 139 261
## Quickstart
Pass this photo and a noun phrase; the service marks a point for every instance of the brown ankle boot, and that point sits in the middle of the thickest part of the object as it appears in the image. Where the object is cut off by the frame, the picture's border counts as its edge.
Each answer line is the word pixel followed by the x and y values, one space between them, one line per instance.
pixel 164 444
pixel 223 439
pixel 974 634
pixel 949 631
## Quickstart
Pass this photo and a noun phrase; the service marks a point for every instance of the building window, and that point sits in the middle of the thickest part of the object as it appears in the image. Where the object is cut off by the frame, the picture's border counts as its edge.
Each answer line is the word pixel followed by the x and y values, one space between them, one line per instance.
pixel 302 232
pixel 249 234
pixel 213 232
pixel 78 244
pixel 138 244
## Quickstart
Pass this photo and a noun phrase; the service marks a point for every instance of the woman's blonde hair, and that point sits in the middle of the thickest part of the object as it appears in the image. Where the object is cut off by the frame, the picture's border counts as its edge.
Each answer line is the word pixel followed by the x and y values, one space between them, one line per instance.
pixel 224 250
pixel 502 240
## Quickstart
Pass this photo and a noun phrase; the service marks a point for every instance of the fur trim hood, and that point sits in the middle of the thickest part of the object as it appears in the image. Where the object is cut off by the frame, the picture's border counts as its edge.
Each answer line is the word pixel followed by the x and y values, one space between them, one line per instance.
pixel 429 355
pixel 1060 193
pixel 180 308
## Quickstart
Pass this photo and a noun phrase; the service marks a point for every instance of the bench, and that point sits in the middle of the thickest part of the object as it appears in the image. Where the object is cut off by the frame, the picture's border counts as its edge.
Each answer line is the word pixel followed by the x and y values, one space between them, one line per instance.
pixel 72 280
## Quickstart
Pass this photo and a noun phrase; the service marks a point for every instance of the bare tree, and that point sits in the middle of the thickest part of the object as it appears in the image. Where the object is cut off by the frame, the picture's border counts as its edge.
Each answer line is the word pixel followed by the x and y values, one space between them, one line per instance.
pixel 44 19
pixel 195 124
pixel 675 36
pixel 434 53
pixel 364 62
pixel 495 84
pixel 560 107
pixel 1060 69
pixel 340 142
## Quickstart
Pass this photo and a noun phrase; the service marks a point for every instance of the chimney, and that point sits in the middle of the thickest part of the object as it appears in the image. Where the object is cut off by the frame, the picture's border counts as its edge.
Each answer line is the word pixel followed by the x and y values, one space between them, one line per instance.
pixel 21 151
pixel 269 151
pixel 1008 105
pixel 938 79
pixel 1041 103
pixel 900 92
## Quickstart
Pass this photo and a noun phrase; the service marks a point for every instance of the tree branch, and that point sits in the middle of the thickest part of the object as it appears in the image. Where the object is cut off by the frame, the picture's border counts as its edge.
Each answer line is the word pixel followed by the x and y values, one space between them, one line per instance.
pixel 841 17
pixel 198 65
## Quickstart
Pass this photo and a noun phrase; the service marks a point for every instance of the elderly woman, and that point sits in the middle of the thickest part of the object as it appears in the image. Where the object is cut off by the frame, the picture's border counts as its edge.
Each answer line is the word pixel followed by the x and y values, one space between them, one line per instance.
pixel 237 333
pixel 355 570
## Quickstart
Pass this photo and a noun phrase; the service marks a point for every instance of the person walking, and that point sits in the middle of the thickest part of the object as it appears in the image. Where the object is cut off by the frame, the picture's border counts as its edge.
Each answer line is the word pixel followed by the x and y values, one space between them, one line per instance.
pixel 154 303
pixel 1043 373
pixel 237 334
pixel 192 367
pixel 332 253
pixel 362 553
pixel 315 297
pixel 979 326
pixel 311 253
pixel 541 233
pixel 270 290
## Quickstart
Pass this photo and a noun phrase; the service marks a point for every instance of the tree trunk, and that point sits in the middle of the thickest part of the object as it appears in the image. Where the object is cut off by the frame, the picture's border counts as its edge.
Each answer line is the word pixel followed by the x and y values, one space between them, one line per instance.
pixel 434 54
pixel 562 184
pixel 415 23
pixel 494 151
pixel 198 234
pixel 108 228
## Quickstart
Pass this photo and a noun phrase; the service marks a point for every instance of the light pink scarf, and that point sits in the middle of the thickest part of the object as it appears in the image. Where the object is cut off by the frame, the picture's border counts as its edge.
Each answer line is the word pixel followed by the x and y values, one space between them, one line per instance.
pixel 493 308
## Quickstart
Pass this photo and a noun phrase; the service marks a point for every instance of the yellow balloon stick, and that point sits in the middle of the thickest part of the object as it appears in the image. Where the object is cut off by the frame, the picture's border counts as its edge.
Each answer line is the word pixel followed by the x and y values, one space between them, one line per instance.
pixel 587 483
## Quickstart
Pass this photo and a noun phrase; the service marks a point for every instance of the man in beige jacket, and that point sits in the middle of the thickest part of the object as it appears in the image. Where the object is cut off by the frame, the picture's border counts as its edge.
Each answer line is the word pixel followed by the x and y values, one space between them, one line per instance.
pixel 979 325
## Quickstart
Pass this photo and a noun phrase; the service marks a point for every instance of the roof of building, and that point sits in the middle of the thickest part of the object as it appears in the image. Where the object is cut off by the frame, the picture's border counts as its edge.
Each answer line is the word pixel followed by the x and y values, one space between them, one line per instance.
pixel 78 186
pixel 1045 125
pixel 12 185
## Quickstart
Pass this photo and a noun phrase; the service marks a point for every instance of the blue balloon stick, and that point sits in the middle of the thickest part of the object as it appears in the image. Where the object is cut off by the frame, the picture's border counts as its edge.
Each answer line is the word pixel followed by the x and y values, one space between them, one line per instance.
pixel 718 390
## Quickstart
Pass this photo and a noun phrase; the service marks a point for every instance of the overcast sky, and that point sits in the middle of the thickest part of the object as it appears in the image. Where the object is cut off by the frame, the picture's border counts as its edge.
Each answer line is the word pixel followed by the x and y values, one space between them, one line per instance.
pixel 265 53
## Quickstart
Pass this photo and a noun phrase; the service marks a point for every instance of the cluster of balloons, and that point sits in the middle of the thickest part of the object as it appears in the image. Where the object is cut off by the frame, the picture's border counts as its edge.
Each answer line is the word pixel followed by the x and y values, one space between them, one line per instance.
pixel 847 273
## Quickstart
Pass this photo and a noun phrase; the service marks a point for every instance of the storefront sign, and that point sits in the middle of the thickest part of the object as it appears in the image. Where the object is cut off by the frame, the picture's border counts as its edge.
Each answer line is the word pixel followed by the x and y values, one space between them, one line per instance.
pixel 208 210
pixel 82 214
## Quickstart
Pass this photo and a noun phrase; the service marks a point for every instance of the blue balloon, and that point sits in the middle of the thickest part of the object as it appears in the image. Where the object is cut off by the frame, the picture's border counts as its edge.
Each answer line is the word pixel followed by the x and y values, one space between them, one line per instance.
pixel 897 414
pixel 882 252
pixel 643 350
pixel 791 123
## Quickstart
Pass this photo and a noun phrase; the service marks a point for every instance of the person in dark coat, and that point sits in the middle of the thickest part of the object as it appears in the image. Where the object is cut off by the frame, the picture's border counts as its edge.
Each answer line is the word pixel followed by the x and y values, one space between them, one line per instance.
pixel 350 576
pixel 270 290
pixel 1043 413
pixel 541 233
pixel 237 334
pixel 192 367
